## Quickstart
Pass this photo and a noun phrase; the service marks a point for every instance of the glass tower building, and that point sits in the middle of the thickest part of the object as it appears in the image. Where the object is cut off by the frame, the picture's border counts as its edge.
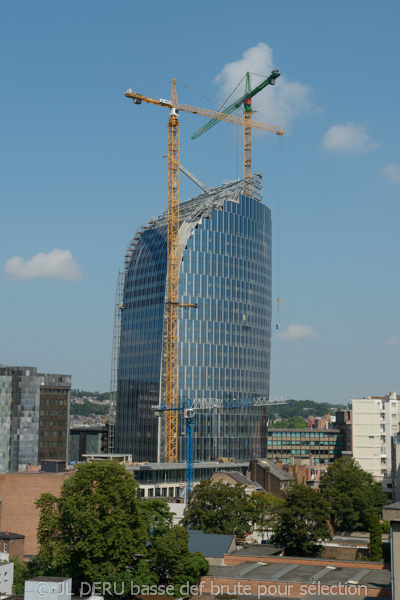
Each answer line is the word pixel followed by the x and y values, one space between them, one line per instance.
pixel 224 344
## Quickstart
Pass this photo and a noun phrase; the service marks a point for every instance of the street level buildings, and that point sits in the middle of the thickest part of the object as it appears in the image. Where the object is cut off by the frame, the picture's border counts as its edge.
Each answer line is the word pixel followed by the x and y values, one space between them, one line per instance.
pixel 34 417
pixel 224 344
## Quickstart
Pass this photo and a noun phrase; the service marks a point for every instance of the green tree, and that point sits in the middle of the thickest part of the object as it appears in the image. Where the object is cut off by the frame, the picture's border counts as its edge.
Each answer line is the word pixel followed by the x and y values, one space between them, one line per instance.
pixel 20 575
pixel 95 527
pixel 262 508
pixel 295 422
pixel 375 538
pixel 215 507
pixel 157 516
pixel 352 495
pixel 302 521
pixel 170 559
pixel 385 527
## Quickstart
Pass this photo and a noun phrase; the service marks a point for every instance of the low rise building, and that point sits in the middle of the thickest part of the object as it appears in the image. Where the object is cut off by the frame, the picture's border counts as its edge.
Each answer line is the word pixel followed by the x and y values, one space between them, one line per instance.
pixel 269 476
pixel 11 544
pixel 321 445
pixel 303 470
pixel 235 478
pixel 168 480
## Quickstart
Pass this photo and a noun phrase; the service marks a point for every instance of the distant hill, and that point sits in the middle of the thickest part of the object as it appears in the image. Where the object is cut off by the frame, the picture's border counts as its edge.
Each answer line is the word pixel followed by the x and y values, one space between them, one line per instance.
pixel 85 394
pixel 303 408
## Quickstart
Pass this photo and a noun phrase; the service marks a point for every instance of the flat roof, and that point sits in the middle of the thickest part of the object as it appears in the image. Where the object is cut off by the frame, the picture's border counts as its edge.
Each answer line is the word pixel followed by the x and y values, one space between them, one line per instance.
pixel 305 429
pixel 52 579
pixel 182 465
pixel 331 575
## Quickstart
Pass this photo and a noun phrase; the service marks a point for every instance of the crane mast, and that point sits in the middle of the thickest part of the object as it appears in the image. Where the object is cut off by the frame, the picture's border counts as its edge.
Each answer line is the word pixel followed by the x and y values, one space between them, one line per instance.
pixel 245 100
pixel 172 296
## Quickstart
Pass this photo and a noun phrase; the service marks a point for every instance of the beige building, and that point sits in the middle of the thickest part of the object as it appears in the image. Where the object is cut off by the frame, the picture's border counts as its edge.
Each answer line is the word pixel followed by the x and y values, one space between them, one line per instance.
pixel 375 421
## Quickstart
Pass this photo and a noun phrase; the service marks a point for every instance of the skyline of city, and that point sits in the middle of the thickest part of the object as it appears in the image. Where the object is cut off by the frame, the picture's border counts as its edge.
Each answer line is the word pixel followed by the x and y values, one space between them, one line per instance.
pixel 83 169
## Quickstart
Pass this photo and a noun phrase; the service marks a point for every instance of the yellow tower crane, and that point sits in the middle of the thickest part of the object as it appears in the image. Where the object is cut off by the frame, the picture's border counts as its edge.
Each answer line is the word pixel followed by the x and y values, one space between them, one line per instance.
pixel 172 291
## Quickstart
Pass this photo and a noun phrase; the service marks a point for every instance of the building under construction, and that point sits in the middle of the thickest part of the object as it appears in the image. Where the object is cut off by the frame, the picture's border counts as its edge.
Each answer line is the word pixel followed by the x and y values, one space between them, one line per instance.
pixel 224 335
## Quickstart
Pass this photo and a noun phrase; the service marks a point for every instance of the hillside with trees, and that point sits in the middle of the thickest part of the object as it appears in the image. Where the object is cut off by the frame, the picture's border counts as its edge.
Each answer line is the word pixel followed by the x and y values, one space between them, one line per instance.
pixel 303 408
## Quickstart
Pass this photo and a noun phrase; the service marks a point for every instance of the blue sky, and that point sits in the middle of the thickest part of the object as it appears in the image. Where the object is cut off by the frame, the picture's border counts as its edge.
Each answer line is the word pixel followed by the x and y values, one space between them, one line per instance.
pixel 82 168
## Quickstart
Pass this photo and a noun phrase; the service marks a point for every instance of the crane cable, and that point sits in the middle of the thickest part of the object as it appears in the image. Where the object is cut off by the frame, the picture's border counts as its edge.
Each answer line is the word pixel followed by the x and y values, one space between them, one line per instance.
pixel 278 269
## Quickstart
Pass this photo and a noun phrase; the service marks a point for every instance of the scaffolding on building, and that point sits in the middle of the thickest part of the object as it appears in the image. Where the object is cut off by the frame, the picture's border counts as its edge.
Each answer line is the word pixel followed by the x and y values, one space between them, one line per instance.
pixel 119 307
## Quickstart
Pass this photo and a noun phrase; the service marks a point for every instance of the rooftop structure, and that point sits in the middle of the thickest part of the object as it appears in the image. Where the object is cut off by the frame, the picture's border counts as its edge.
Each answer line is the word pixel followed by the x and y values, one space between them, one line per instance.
pixel 224 344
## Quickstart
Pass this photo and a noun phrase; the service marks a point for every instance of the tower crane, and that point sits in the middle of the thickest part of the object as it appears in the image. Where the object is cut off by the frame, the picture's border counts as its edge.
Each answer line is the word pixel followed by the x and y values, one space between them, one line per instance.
pixel 245 100
pixel 172 285
pixel 189 413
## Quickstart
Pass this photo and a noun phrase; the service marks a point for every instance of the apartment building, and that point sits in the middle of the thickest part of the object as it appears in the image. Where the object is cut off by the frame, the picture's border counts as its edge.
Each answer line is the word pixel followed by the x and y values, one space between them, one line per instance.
pixel 375 421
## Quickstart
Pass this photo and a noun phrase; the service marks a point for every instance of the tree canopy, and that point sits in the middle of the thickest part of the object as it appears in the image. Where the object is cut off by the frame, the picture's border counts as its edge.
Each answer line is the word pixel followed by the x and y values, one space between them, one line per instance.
pixel 302 521
pixel 99 530
pixel 215 507
pixel 352 495
pixel 173 564
pixel 295 422
pixel 95 525
pixel 262 509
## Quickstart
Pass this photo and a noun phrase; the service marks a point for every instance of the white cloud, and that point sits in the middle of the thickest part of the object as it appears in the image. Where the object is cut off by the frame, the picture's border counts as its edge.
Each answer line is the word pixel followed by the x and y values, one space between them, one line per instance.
pixel 296 332
pixel 393 341
pixel 57 264
pixel 350 138
pixel 277 105
pixel 392 172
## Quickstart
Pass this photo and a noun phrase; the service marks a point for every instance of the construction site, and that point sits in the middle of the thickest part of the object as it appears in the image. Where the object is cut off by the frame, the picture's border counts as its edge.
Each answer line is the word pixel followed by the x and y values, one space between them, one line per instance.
pixel 191 353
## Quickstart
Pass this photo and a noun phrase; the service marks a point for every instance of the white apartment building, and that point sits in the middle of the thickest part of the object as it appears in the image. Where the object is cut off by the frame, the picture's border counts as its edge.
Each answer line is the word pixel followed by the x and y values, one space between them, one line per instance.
pixel 375 421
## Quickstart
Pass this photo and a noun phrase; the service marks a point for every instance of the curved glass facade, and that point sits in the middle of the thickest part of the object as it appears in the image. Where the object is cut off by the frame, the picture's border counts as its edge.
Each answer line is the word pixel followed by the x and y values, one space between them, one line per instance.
pixel 224 344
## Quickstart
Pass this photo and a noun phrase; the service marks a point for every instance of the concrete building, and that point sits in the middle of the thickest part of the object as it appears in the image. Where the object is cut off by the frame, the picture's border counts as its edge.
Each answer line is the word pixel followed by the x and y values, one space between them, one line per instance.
pixel 375 421
pixel 322 446
pixel 224 344
pixel 87 440
pixel 6 578
pixel 54 416
pixel 34 417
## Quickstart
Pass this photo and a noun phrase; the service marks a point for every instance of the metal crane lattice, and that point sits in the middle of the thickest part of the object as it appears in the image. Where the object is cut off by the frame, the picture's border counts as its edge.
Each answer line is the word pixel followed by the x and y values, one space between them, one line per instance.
pixel 189 413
